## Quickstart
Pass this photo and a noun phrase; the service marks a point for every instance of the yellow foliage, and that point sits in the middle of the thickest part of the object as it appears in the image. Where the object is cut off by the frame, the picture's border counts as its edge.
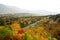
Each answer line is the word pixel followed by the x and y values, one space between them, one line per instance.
pixel 35 32
pixel 15 26
pixel 39 32
pixel 1 27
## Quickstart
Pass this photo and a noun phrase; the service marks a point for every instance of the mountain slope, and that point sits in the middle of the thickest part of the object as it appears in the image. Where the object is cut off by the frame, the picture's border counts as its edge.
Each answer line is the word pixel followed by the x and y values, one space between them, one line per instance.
pixel 11 9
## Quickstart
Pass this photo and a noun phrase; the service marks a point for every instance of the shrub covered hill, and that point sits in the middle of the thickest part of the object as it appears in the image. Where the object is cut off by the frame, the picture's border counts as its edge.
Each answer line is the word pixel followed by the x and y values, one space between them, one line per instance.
pixel 49 23
pixel 52 24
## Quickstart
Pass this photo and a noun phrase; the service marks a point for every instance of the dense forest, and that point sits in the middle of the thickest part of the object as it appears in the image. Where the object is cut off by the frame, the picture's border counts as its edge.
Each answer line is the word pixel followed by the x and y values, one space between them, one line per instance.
pixel 14 27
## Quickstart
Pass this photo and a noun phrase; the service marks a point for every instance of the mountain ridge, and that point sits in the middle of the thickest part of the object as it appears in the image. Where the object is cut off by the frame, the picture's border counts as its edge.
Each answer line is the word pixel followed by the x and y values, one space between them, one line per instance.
pixel 12 9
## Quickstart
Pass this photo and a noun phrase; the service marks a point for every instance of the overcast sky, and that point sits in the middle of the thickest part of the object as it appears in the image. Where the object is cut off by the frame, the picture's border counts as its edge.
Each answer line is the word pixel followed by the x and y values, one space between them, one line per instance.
pixel 49 5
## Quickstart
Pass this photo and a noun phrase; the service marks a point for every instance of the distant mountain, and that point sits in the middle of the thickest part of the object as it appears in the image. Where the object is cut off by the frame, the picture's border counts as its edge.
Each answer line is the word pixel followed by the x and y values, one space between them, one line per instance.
pixel 11 9
pixel 44 12
pixel 7 10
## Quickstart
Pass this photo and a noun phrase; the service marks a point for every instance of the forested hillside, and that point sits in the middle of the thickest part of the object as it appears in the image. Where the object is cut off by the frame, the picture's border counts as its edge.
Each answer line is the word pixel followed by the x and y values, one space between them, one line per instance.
pixel 29 27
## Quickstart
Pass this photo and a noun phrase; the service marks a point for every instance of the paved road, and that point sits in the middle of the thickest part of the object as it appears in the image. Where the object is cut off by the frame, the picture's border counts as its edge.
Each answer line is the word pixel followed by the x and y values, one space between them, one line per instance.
pixel 34 24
